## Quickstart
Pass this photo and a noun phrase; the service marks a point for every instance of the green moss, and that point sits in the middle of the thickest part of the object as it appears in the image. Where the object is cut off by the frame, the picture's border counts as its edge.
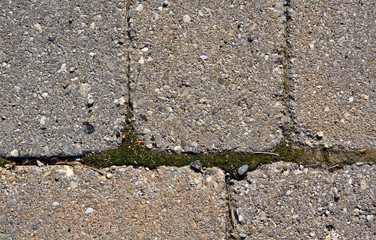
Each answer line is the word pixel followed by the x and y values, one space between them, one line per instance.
pixel 4 161
pixel 133 153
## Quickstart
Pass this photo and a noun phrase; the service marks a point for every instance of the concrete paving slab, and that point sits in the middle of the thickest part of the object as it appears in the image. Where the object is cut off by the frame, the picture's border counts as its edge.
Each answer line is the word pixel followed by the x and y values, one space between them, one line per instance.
pixel 62 202
pixel 207 75
pixel 333 62
pixel 288 201
pixel 63 81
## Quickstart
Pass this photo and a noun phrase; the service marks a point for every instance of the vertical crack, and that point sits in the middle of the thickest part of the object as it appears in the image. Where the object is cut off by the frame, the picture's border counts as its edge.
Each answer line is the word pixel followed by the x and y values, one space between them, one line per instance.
pixel 232 230
pixel 128 30
pixel 288 98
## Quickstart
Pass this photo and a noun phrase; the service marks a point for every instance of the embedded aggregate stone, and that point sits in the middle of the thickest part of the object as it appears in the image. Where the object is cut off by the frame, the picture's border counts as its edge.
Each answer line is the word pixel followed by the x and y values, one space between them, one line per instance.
pixel 56 58
pixel 243 170
pixel 287 201
pixel 207 75
pixel 196 165
pixel 332 68
pixel 135 203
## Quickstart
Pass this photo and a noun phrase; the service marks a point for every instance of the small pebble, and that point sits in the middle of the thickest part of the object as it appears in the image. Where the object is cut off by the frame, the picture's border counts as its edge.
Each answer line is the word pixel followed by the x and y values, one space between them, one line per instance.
pixel 39 163
pixel 221 81
pixel 35 170
pixel 89 210
pixel 65 83
pixel 37 27
pixel 68 171
pixel 320 134
pixel 336 194
pixel 370 218
pixel 186 19
pixel 90 101
pixel 55 204
pixel 196 165
pixel 14 153
pixel 73 185
pixel 146 131
pixel 242 170
pixel 204 57
pixel 42 121
pixel 139 8
pixel 178 149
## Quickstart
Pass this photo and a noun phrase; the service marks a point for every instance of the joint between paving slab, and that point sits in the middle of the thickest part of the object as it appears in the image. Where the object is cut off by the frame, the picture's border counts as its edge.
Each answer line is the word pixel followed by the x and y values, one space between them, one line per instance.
pixel 287 97
pixel 129 35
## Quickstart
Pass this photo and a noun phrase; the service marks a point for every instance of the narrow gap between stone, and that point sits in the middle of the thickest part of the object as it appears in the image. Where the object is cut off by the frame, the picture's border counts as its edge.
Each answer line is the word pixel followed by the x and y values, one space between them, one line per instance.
pixel 287 98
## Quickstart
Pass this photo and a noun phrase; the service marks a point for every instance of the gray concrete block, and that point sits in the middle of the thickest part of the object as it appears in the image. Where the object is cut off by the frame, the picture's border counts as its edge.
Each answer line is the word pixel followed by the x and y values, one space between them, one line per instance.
pixel 62 202
pixel 63 79
pixel 288 201
pixel 333 72
pixel 207 75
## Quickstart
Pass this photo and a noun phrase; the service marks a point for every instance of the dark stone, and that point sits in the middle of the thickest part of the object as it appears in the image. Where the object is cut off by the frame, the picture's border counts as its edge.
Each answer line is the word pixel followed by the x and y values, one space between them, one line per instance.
pixel 51 39
pixel 89 128
pixel 196 165
pixel 117 133
pixel 221 81
pixel 336 195
pixel 143 117
pixel 161 108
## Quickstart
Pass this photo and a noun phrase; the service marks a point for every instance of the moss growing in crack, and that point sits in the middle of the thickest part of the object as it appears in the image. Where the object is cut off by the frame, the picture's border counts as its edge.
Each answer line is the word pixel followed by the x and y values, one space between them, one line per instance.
pixel 4 161
pixel 133 153
pixel 324 157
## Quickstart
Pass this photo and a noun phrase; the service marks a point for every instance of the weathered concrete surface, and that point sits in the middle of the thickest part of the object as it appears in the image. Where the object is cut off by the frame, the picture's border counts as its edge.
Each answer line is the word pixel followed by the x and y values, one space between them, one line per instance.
pixel 63 76
pixel 333 71
pixel 287 201
pixel 207 75
pixel 168 203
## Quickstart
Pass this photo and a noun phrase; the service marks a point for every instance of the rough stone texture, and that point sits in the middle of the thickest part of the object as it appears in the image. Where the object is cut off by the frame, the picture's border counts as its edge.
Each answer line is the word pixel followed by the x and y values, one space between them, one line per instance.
pixel 63 76
pixel 207 75
pixel 168 203
pixel 287 201
pixel 333 71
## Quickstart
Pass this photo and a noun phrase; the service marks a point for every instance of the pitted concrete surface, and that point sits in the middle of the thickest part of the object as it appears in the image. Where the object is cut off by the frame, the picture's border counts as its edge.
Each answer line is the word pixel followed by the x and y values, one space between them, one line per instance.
pixel 204 76
pixel 288 201
pixel 207 75
pixel 63 81
pixel 333 62
pixel 62 202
